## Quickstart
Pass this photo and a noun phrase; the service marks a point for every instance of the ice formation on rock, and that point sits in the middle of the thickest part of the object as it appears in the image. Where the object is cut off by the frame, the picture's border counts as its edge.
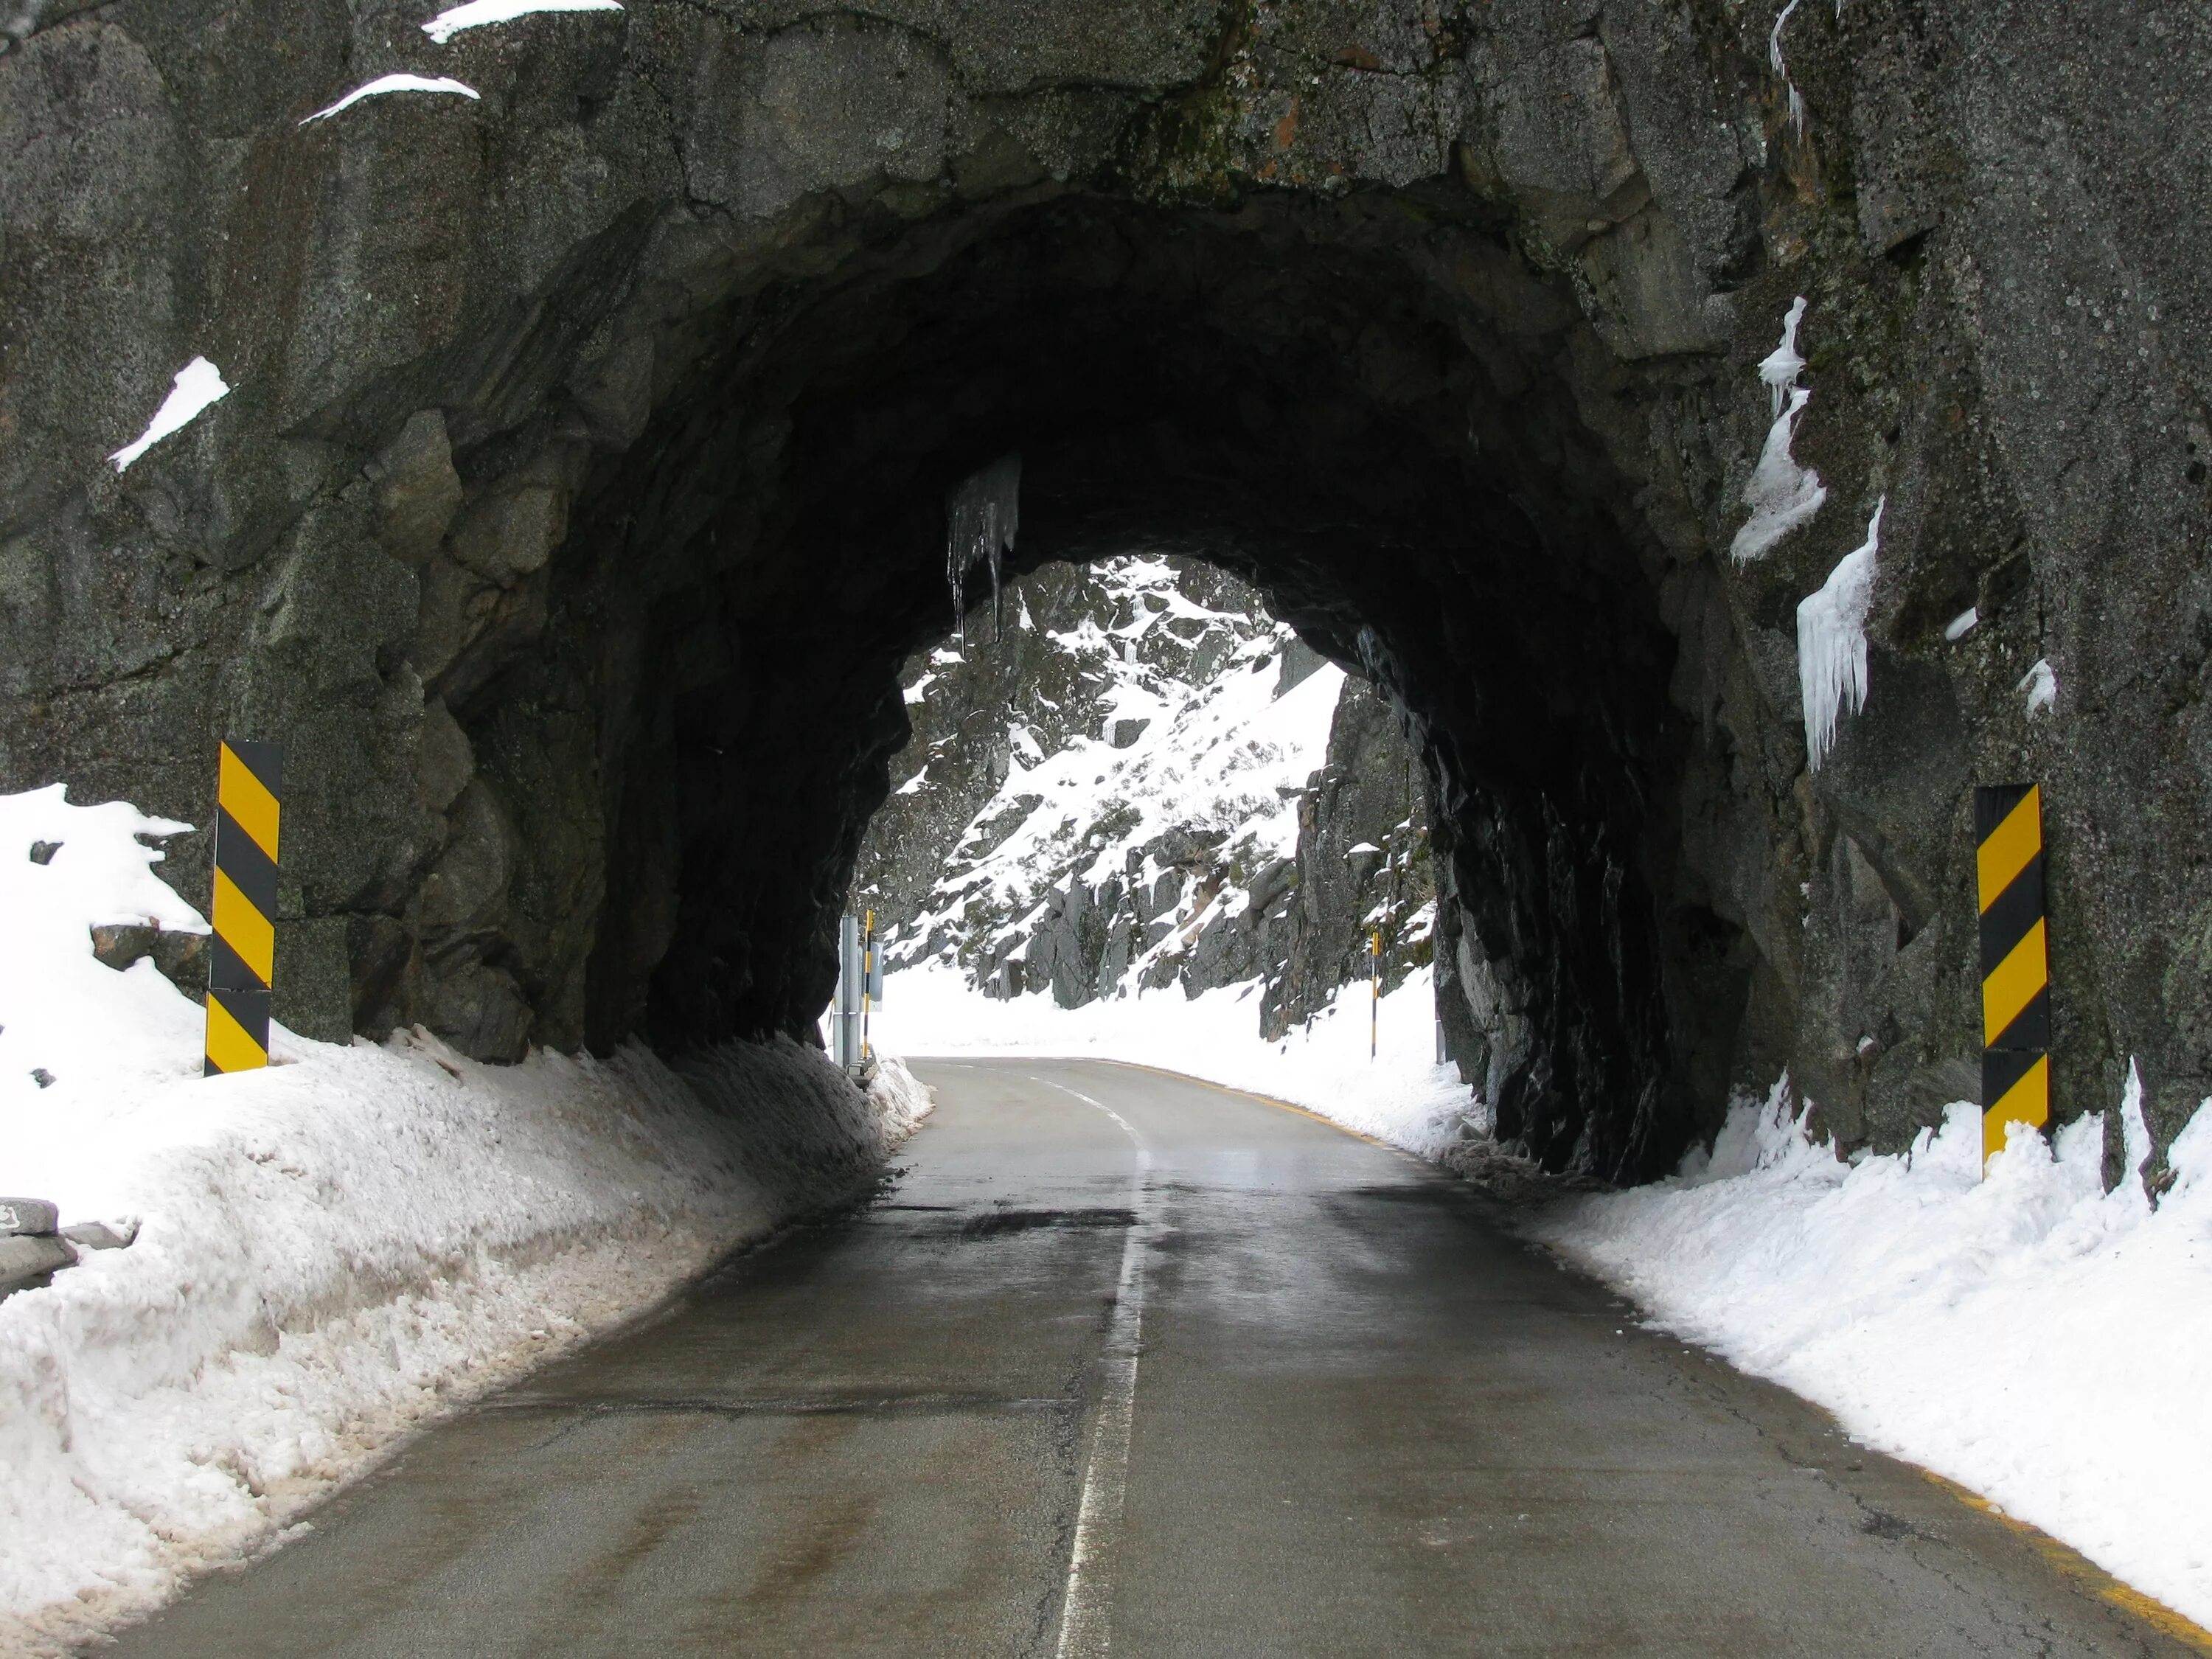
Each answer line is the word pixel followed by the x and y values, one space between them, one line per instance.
pixel 2040 687
pixel 1788 87
pixel 980 518
pixel 1832 653
pixel 1780 494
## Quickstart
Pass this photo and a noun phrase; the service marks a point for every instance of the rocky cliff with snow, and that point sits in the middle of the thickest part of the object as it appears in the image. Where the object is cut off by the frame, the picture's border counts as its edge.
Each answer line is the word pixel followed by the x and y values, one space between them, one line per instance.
pixel 1727 433
pixel 1142 779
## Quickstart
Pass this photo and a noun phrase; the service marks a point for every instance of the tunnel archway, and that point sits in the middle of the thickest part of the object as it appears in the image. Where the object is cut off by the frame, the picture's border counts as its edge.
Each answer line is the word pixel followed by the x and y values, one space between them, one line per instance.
pixel 1388 452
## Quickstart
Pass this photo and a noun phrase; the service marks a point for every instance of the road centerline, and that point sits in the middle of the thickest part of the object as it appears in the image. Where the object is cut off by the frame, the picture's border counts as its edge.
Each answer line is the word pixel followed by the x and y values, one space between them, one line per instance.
pixel 1086 1614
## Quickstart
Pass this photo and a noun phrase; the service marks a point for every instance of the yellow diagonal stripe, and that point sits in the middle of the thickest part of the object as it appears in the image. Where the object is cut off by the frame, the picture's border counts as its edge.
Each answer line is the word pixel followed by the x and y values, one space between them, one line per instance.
pixel 2010 845
pixel 2014 983
pixel 227 1044
pixel 2028 1101
pixel 251 806
pixel 2010 988
pixel 244 928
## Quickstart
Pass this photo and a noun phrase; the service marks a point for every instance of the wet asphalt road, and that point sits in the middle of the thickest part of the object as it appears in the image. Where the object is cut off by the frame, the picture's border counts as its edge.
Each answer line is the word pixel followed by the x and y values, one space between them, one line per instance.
pixel 1126 1361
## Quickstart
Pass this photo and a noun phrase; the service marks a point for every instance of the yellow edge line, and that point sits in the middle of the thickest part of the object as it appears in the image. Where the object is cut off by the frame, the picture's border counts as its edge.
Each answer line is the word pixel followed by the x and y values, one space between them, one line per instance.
pixel 2085 1574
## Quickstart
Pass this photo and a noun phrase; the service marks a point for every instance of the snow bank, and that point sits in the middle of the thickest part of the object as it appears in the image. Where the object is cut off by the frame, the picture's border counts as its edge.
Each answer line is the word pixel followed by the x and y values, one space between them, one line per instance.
pixel 1401 1095
pixel 2030 1336
pixel 332 1251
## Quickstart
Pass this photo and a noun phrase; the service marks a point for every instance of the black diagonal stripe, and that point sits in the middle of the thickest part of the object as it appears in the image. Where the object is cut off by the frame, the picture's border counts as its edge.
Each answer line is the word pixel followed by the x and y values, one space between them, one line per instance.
pixel 2031 1027
pixel 2001 1068
pixel 1993 804
pixel 266 762
pixel 239 856
pixel 227 969
pixel 251 1010
pixel 2017 909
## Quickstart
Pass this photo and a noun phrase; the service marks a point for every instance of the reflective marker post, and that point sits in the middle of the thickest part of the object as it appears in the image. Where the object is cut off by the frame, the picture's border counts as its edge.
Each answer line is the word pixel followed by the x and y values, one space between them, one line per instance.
pixel 1374 991
pixel 868 977
pixel 2015 961
pixel 243 963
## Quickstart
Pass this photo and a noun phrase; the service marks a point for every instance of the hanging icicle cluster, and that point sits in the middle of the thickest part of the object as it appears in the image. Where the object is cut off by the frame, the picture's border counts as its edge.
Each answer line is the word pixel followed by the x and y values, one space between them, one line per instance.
pixel 980 517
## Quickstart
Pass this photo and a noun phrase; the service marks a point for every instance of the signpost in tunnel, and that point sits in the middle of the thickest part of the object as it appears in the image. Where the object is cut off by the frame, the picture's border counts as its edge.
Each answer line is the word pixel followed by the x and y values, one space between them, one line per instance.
pixel 860 989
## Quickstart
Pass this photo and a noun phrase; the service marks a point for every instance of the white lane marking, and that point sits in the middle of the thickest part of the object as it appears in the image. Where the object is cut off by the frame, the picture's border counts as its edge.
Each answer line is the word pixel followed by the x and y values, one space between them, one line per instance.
pixel 1085 1615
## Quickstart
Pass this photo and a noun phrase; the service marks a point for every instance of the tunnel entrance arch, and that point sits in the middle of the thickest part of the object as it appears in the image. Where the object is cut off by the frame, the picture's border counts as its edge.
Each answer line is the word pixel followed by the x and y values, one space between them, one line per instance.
pixel 679 745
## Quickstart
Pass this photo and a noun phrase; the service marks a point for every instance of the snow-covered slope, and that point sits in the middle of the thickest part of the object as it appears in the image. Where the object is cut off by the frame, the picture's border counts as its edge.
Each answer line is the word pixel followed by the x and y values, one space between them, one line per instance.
pixel 1148 783
pixel 328 1252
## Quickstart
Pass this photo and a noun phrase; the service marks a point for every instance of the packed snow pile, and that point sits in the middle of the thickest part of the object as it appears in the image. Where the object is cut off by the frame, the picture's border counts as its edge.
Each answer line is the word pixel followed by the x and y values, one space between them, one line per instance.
pixel 330 1251
pixel 2031 1336
pixel 1400 1094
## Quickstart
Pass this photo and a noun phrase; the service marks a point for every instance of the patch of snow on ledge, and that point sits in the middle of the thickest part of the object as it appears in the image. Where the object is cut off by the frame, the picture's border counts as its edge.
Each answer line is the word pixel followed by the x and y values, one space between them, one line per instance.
pixel 197 384
pixel 385 84
pixel 2041 687
pixel 1780 494
pixel 1832 654
pixel 477 14
pixel 1962 624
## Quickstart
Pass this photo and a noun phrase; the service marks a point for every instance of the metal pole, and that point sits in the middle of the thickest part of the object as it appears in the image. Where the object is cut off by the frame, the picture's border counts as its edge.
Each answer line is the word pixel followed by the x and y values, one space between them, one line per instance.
pixel 1375 991
pixel 867 977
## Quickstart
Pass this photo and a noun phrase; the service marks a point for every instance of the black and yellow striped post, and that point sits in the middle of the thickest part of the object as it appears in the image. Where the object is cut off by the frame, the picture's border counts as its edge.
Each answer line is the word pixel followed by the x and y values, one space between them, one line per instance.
pixel 2015 961
pixel 241 967
pixel 1374 992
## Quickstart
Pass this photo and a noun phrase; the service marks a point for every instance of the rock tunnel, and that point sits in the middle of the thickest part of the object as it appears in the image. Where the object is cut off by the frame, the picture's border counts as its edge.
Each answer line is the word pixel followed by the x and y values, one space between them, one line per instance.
pixel 1277 394
pixel 581 486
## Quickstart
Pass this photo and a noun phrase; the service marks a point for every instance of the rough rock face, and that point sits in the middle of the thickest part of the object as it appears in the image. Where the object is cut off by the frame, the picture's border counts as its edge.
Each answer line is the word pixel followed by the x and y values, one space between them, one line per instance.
pixel 1205 852
pixel 581 486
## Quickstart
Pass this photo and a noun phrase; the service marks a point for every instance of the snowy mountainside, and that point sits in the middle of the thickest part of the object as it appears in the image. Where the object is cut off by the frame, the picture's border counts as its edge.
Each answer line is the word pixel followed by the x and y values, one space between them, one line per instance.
pixel 1146 782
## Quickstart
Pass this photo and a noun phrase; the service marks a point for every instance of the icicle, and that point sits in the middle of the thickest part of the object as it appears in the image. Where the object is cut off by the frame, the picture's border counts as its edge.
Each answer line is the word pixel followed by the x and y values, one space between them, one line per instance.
pixel 1780 494
pixel 980 518
pixel 1832 650
pixel 1774 56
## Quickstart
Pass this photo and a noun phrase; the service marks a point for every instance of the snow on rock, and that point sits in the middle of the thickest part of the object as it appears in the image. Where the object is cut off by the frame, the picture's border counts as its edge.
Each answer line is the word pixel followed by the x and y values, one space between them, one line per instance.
pixel 477 14
pixel 385 84
pixel 197 384
pixel 1831 651
pixel 1962 624
pixel 1780 494
pixel 1222 755
pixel 329 1252
pixel 2030 1336
pixel 2040 686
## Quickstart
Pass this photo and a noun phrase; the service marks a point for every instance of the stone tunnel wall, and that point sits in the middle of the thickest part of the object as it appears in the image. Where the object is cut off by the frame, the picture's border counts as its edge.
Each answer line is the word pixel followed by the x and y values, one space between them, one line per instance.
pixel 576 497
